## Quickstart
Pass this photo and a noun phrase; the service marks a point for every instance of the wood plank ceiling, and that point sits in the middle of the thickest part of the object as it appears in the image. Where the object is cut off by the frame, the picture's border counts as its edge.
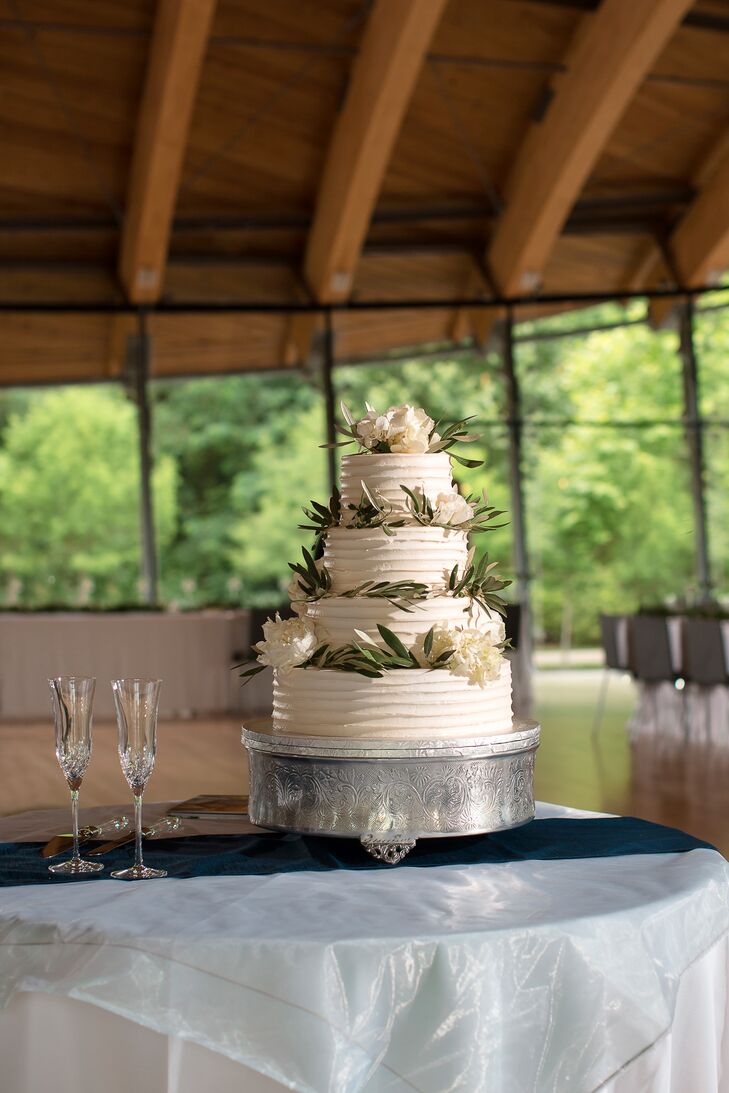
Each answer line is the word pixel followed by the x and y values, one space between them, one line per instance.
pixel 241 152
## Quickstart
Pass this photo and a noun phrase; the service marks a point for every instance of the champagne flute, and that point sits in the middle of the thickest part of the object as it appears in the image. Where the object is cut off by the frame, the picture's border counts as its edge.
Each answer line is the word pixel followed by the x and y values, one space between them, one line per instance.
pixel 136 702
pixel 72 698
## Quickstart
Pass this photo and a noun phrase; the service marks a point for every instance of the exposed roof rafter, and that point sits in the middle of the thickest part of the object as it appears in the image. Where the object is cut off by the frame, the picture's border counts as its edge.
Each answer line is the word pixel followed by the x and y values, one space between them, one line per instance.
pixel 176 55
pixel 699 244
pixel 610 57
pixel 384 74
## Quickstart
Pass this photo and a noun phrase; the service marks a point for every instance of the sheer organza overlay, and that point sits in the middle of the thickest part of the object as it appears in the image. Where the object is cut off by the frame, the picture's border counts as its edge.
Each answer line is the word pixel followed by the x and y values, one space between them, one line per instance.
pixel 525 976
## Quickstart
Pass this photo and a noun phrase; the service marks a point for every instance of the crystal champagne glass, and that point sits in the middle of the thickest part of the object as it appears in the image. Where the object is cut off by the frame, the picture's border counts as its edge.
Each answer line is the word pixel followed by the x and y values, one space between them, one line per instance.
pixel 136 702
pixel 73 698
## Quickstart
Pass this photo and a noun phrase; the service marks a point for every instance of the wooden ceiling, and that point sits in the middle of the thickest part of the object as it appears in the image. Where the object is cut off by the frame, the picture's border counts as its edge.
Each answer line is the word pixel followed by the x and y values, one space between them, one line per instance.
pixel 188 152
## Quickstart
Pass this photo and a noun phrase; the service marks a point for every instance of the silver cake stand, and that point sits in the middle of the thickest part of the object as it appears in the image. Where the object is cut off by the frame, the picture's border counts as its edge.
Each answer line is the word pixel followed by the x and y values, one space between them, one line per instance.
pixel 390 793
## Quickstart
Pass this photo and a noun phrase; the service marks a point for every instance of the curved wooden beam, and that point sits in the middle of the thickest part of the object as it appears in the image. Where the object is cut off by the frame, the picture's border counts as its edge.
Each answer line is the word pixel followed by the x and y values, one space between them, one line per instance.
pixel 610 57
pixel 383 78
pixel 179 40
pixel 700 242
pixel 699 245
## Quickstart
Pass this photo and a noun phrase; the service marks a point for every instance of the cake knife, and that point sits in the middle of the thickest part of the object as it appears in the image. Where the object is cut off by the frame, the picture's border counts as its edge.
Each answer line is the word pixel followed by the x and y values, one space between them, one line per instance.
pixel 60 843
pixel 170 822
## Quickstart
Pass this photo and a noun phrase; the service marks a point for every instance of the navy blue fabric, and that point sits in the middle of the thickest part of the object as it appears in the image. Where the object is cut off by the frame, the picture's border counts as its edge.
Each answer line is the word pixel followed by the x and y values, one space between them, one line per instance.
pixel 253 855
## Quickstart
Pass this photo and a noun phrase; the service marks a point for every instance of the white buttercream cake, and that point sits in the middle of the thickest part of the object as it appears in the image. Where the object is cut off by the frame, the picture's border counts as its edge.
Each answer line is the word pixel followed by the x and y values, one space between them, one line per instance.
pixel 391 640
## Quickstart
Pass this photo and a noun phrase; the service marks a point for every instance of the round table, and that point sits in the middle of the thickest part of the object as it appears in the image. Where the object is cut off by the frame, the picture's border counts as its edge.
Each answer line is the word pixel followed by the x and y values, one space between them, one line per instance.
pixel 605 974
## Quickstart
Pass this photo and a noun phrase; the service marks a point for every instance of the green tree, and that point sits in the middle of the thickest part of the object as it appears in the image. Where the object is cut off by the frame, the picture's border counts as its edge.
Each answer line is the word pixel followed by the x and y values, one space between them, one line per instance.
pixel 69 498
pixel 609 510
pixel 245 448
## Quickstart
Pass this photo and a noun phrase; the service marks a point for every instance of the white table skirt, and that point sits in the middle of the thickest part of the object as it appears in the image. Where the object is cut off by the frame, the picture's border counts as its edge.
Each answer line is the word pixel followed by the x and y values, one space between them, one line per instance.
pixel 583 975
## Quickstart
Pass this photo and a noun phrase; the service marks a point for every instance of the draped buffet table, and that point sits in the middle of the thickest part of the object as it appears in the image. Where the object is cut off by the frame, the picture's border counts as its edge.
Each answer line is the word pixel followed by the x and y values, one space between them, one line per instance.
pixel 192 651
pixel 601 973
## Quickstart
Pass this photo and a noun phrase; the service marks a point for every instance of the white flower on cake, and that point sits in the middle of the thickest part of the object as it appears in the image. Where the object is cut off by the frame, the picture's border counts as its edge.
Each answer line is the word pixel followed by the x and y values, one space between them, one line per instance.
pixel 475 654
pixel 451 508
pixel 404 429
pixel 373 429
pixel 411 430
pixel 286 643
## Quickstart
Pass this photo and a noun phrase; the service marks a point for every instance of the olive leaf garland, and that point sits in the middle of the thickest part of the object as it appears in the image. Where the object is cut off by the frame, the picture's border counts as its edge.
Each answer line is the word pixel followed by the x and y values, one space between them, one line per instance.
pixel 365 658
pixel 322 517
pixel 480 583
pixel 421 509
pixel 315 582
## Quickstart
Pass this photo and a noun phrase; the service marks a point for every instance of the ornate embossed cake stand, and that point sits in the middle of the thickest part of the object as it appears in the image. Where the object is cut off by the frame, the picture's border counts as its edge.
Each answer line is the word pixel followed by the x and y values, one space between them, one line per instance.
pixel 390 793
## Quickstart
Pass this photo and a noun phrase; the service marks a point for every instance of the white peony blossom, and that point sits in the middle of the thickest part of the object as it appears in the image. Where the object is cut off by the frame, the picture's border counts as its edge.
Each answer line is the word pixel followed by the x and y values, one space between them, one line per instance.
pixel 373 429
pixel 286 643
pixel 404 429
pixel 451 508
pixel 475 654
pixel 410 430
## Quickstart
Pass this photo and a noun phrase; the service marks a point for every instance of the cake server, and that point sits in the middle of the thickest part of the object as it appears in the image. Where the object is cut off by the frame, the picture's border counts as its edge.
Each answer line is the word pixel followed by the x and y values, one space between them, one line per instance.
pixel 60 843
pixel 171 823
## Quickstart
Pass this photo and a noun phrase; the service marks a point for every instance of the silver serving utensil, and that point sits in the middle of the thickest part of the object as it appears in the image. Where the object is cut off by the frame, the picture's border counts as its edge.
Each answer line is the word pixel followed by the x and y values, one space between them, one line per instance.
pixel 60 843
pixel 170 823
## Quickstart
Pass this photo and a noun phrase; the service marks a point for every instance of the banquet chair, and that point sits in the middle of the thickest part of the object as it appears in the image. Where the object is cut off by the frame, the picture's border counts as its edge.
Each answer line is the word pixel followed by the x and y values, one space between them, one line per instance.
pixel 651 663
pixel 705 669
pixel 615 660
pixel 512 624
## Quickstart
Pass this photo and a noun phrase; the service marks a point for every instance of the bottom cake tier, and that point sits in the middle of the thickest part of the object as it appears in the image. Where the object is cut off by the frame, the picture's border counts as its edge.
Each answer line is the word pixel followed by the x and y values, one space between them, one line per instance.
pixel 419 703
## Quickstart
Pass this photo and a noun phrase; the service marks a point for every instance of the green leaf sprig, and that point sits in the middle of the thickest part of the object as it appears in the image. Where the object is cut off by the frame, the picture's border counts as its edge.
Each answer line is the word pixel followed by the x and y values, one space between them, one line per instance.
pixel 455 433
pixel 399 594
pixel 372 661
pixel 314 581
pixel 322 517
pixel 372 511
pixel 480 583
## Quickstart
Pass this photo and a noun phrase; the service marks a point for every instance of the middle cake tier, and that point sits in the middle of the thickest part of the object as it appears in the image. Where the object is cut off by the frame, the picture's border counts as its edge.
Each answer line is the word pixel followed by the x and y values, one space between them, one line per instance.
pixel 423 554
pixel 338 617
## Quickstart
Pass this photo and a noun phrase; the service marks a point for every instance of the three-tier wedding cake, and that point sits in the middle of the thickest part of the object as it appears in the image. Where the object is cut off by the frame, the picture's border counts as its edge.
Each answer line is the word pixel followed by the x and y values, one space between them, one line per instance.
pixel 398 631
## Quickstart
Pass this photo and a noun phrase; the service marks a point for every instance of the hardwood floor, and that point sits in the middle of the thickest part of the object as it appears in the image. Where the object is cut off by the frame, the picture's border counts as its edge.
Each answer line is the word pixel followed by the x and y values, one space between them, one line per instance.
pixel 685 788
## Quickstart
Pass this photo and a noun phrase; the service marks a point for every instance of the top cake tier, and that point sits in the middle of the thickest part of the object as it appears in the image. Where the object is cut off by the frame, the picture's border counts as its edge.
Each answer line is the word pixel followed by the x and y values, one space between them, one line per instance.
pixel 386 474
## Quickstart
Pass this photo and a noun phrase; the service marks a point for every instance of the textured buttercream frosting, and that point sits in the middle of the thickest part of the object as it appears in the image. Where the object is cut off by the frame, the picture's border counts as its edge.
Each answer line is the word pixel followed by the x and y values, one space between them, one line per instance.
pixel 404 704
pixel 385 475
pixel 425 554
pixel 337 617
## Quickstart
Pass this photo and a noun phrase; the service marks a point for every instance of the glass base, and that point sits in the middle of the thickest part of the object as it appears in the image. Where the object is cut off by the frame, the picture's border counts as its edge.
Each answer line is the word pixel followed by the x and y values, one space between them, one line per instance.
pixel 75 866
pixel 138 872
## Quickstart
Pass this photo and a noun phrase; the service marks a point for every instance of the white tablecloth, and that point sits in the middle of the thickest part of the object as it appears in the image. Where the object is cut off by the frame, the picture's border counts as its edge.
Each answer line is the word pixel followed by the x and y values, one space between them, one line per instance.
pixel 578 975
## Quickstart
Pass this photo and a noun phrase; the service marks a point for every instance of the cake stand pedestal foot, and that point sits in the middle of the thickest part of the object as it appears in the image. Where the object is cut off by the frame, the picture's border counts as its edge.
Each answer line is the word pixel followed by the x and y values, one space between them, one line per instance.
pixel 390 851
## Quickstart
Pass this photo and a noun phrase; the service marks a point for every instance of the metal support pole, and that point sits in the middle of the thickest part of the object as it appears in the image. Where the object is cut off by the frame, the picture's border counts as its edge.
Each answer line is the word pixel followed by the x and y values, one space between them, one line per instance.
pixel 327 368
pixel 695 442
pixel 141 375
pixel 518 523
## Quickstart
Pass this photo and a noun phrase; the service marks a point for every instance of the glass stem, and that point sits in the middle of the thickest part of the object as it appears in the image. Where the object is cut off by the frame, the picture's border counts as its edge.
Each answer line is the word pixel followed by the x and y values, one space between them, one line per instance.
pixel 74 816
pixel 138 830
